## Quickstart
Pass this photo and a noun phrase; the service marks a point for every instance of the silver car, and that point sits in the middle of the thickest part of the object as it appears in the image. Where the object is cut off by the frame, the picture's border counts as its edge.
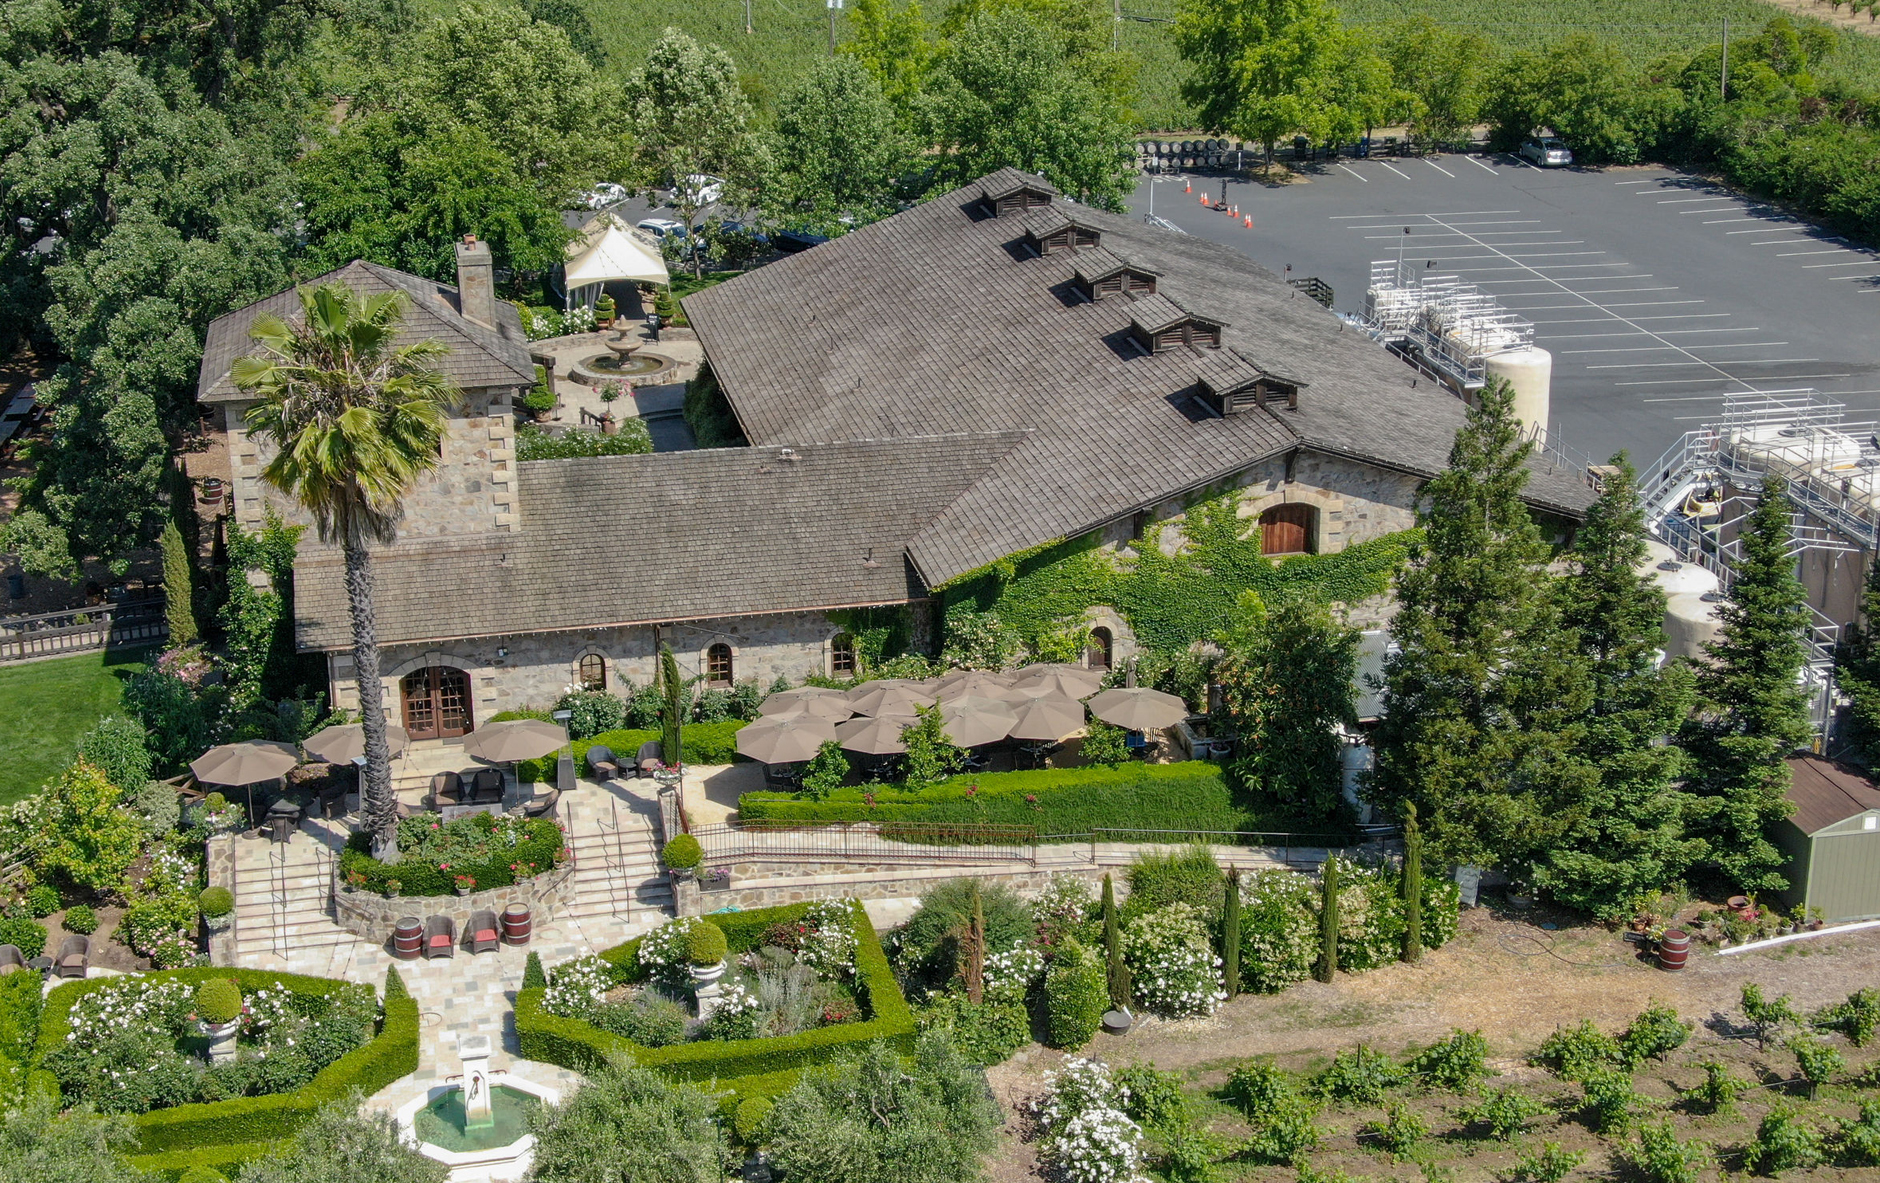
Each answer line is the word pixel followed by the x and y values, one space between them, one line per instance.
pixel 1548 153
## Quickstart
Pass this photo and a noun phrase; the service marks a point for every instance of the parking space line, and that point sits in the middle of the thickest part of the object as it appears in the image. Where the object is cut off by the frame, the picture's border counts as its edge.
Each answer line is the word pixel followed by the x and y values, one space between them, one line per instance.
pixel 1478 164
pixel 1684 200
pixel 1453 213
pixel 1728 221
pixel 1360 176
pixel 1517 160
pixel 1833 250
pixel 1665 365
pixel 1393 168
pixel 1439 168
pixel 1714 209
pixel 1690 398
pixel 1764 230
pixel 1782 241
pixel 1646 181
pixel 1832 278
pixel 1849 263
pixel 1638 332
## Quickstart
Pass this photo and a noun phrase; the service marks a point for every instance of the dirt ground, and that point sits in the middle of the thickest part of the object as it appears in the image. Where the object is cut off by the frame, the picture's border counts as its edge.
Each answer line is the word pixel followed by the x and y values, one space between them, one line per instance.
pixel 1515 981
pixel 1841 16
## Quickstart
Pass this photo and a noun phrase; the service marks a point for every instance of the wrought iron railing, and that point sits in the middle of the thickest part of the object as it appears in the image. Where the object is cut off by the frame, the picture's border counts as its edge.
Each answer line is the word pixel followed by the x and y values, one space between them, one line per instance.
pixel 81 630
pixel 866 842
pixel 1285 847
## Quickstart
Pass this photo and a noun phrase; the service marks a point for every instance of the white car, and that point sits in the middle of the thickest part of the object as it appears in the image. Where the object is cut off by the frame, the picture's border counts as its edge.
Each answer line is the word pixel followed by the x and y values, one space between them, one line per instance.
pixel 605 194
pixel 703 189
pixel 1547 153
pixel 662 228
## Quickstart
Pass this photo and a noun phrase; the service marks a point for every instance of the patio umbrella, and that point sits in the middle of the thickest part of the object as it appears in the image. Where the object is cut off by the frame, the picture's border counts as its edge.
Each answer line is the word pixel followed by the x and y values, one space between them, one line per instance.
pixel 343 743
pixel 1138 708
pixel 889 696
pixel 1046 720
pixel 245 763
pixel 785 739
pixel 971 684
pixel 514 739
pixel 832 705
pixel 1056 684
pixel 972 721
pixel 878 735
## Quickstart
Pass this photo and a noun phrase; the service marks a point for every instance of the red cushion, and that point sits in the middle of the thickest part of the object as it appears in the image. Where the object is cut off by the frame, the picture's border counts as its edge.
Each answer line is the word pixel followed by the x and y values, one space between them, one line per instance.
pixel 486 934
pixel 442 938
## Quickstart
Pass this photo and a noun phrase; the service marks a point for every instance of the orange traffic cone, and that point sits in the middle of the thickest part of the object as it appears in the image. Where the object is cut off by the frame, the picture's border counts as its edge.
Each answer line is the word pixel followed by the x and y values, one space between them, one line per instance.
pixel 1249 221
pixel 1204 199
pixel 1188 187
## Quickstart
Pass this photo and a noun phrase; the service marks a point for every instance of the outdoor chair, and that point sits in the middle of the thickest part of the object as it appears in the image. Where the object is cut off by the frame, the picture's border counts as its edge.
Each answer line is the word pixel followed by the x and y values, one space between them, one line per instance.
pixel 446 789
pixel 440 937
pixel 601 763
pixel 11 959
pixel 74 957
pixel 543 806
pixel 483 932
pixel 783 777
pixel 646 760
pixel 486 788
pixel 974 760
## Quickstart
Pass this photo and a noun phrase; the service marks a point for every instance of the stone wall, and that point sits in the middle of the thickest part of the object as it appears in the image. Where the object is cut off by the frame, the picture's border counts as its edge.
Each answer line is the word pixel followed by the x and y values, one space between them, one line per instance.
pixel 770 884
pixel 372 917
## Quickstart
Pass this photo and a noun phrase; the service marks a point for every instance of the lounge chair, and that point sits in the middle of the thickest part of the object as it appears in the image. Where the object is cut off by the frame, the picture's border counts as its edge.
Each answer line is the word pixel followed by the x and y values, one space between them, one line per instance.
pixel 646 761
pixel 440 937
pixel 446 789
pixel 543 806
pixel 601 762
pixel 11 959
pixel 74 957
pixel 486 788
pixel 484 933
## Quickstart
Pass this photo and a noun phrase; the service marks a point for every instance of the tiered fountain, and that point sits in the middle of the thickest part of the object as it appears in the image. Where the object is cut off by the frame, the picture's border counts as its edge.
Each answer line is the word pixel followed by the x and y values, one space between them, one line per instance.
pixel 477 1123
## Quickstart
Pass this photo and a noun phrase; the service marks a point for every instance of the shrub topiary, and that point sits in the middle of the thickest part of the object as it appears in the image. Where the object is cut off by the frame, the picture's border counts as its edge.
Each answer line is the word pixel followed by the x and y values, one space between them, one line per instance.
pixel 43 900
pixel 395 985
pixel 216 901
pixel 1075 996
pixel 218 1001
pixel 706 944
pixel 682 853
pixel 202 1174
pixel 28 936
pixel 747 1120
pixel 79 918
pixel 533 977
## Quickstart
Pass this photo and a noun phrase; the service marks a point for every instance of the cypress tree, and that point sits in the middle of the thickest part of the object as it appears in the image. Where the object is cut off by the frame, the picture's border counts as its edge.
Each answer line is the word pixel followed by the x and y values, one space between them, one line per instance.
pixel 1412 885
pixel 1857 674
pixel 1481 695
pixel 673 706
pixel 1752 711
pixel 395 985
pixel 1624 835
pixel 1119 983
pixel 1230 935
pixel 1328 920
pixel 178 588
pixel 533 978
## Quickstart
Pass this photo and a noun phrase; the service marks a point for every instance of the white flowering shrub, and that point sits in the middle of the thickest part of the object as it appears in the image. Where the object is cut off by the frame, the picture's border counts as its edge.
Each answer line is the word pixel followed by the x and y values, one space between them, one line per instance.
pixel 737 1013
pixel 171 870
pixel 538 323
pixel 1066 900
pixel 1088 1137
pixel 828 946
pixel 1172 961
pixel 666 952
pixel 576 988
pixel 579 319
pixel 1279 930
pixel 1011 973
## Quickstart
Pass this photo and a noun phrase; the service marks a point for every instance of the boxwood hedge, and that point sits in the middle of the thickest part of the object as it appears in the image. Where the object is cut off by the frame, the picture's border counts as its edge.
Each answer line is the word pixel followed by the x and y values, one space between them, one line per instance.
pixel 545 840
pixel 705 743
pixel 392 1053
pixel 1062 802
pixel 584 1047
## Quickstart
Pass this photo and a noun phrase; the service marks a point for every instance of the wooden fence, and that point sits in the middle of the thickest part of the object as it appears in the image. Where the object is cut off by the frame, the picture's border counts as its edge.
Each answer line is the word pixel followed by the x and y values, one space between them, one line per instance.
pixel 83 630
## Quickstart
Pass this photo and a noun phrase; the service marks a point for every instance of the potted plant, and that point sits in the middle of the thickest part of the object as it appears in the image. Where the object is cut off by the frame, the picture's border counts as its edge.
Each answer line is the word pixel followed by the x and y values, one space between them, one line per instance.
pixel 392 888
pixel 682 855
pixel 706 949
pixel 1816 918
pixel 218 908
pixel 713 879
pixel 211 490
pixel 604 310
pixel 218 1010
pixel 465 883
pixel 355 880
pixel 539 402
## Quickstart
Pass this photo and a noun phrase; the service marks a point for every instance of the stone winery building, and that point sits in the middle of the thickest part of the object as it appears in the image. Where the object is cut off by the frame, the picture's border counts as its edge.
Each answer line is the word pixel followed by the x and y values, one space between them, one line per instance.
pixel 984 374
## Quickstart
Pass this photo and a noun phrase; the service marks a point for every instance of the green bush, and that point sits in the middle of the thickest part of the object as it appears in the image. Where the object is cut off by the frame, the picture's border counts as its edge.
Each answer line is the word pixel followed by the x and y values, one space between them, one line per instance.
pixel 986 1034
pixel 1156 1100
pixel 1550 1164
pixel 1189 877
pixel 1784 1142
pixel 118 745
pixel 1455 1062
pixel 1856 1018
pixel 20 999
pixel 29 936
pixel 705 743
pixel 747 1120
pixel 1284 1133
pixel 1401 1131
pixel 216 901
pixel 926 948
pixel 706 943
pixel 1718 1091
pixel 1610 1102
pixel 79 918
pixel 682 853
pixel 1660 1157
pixel 1573 1052
pixel 1857 1142
pixel 1656 1032
pixel 1503 1113
pixel 1818 1062
pixel 1257 1086
pixel 202 1174
pixel 43 900
pixel 218 1001
pixel 1360 1077
pixel 1076 993
pixel 533 976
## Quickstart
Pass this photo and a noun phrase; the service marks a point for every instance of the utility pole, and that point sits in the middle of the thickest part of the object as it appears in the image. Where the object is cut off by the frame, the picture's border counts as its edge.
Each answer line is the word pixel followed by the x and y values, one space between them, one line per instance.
pixel 747 18
pixel 835 6
pixel 1723 77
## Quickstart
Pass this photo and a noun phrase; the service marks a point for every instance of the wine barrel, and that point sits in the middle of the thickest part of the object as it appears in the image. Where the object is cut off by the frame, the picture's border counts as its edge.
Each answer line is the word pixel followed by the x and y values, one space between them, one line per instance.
pixel 408 938
pixel 1674 949
pixel 516 924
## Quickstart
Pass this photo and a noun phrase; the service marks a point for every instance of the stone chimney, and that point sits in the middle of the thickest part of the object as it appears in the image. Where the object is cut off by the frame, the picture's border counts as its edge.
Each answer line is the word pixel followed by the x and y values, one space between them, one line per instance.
pixel 476 281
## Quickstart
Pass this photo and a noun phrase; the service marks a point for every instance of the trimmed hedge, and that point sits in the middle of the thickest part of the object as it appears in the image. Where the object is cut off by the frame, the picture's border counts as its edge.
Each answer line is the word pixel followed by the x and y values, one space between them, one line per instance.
pixel 705 743
pixel 545 841
pixel 392 1053
pixel 586 1048
pixel 1069 802
pixel 20 998
pixel 171 1164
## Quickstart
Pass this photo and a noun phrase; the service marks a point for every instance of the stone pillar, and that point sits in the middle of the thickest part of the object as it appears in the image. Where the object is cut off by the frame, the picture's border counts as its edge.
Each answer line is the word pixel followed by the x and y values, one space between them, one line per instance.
pixel 222 1041
pixel 474 1051
pixel 686 899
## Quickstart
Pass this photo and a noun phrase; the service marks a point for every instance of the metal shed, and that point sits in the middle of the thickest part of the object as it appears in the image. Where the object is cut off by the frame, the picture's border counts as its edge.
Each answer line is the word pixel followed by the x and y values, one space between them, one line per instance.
pixel 1832 839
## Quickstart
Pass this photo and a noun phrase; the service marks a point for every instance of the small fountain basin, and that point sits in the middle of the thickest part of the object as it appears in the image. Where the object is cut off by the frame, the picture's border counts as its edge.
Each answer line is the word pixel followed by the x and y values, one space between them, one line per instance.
pixel 607 367
pixel 442 1123
pixel 501 1152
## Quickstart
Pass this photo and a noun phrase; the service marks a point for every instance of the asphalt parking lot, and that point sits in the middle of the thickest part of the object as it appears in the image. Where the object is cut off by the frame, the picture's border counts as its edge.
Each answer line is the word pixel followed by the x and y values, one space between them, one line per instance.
pixel 1659 294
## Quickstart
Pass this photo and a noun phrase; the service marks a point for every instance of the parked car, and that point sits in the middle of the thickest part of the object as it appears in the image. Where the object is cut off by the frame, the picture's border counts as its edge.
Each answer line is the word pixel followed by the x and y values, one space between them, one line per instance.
pixel 605 194
pixel 705 190
pixel 792 241
pixel 663 228
pixel 1547 153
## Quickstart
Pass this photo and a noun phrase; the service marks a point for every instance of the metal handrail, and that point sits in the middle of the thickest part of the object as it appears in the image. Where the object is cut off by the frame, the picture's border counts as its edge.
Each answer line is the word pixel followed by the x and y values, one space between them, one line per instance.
pixel 885 841
pixel 1288 840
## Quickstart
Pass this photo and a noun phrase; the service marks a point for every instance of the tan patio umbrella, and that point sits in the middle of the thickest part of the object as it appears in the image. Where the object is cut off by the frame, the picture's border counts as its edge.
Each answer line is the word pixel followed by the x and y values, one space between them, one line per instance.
pixel 1056 684
pixel 514 739
pixel 971 684
pixel 785 739
pixel 878 735
pixel 972 721
pixel 889 696
pixel 245 764
pixel 343 743
pixel 819 701
pixel 1138 708
pixel 1047 720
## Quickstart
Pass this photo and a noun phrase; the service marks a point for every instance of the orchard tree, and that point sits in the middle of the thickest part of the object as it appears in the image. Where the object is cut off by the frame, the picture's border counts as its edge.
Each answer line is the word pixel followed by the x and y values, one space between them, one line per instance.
pixel 1444 74
pixel 837 149
pixel 891 42
pixel 1752 711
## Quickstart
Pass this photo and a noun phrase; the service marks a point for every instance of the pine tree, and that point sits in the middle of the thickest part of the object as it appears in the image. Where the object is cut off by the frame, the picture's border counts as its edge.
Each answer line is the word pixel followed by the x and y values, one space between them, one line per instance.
pixel 1230 935
pixel 1328 920
pixel 1752 712
pixel 1412 885
pixel 1857 673
pixel 1625 836
pixel 1119 983
pixel 178 588
pixel 1481 697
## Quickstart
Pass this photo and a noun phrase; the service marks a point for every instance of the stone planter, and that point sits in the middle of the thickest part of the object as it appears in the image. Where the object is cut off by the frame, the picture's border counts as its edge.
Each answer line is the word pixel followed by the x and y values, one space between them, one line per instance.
pixel 1118 1022
pixel 716 883
pixel 218 923
pixel 221 1040
pixel 372 917
pixel 705 975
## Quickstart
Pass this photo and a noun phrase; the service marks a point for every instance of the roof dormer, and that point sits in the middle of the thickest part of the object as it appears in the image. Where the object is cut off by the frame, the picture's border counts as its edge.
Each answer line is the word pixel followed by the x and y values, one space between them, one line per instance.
pixel 1052 231
pixel 1008 193
pixel 1159 324
pixel 1231 383
pixel 1100 273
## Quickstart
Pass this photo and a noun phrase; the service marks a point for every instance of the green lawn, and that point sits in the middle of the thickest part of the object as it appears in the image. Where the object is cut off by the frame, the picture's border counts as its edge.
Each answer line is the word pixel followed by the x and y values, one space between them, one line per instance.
pixel 46 705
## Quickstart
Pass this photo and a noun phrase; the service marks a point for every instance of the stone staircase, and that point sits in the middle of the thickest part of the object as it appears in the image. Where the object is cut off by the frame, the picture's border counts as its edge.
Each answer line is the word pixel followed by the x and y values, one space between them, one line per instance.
pixel 613 831
pixel 283 913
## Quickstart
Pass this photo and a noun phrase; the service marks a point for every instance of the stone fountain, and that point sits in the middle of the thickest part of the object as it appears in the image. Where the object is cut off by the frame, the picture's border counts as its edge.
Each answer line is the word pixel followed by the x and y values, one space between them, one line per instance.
pixel 476 1123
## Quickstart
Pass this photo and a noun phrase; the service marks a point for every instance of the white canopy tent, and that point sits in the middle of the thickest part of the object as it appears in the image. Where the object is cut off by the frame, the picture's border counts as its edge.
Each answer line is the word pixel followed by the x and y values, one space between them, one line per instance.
pixel 607 249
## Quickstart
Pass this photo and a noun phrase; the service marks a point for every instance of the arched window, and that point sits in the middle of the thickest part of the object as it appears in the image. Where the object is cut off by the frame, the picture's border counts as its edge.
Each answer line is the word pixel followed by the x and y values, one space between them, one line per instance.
pixel 593 672
pixel 718 665
pixel 1101 649
pixel 1289 530
pixel 842 656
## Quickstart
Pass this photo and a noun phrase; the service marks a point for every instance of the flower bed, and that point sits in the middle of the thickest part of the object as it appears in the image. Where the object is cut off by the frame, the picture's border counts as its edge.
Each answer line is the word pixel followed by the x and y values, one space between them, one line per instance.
pixel 319 1033
pixel 704 743
pixel 492 851
pixel 1279 922
pixel 581 1045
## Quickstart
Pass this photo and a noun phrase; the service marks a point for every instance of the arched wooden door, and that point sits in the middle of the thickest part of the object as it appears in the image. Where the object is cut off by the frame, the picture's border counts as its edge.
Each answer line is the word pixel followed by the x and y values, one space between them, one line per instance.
pixel 1288 530
pixel 437 703
pixel 1101 649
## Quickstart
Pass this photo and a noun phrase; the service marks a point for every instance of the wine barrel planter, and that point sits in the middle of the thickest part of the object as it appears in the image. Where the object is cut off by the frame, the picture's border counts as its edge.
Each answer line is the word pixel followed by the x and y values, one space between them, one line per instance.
pixel 408 938
pixel 1674 949
pixel 517 922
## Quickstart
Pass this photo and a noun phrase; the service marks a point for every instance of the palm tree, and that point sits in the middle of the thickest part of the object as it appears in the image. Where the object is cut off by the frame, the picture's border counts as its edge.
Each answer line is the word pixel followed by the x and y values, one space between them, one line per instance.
pixel 355 420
